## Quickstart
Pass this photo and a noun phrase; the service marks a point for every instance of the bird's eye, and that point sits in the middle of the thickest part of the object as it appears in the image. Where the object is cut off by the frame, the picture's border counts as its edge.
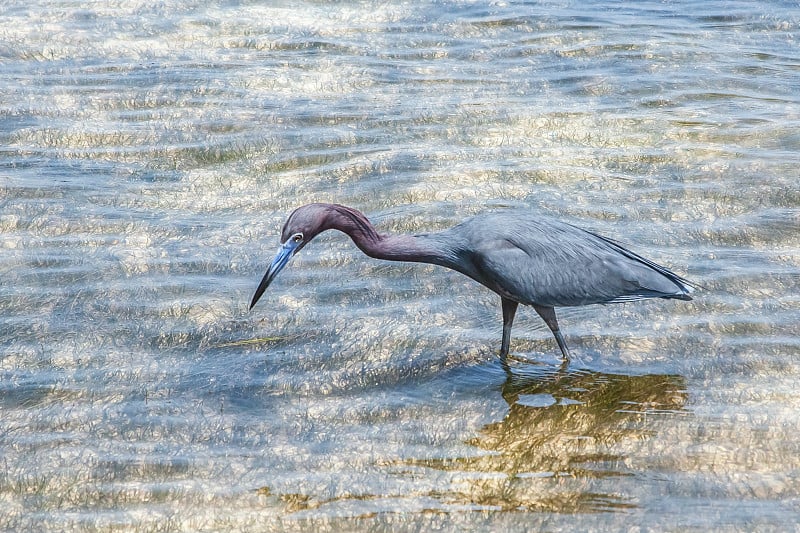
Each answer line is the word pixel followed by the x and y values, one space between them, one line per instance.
pixel 297 237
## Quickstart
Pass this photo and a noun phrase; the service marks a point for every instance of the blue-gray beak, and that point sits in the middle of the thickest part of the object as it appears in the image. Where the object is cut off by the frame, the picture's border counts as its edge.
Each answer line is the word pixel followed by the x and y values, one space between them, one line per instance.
pixel 286 251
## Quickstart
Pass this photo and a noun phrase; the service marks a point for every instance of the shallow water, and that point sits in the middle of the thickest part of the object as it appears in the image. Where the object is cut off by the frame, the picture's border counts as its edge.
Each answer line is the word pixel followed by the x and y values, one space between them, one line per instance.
pixel 149 155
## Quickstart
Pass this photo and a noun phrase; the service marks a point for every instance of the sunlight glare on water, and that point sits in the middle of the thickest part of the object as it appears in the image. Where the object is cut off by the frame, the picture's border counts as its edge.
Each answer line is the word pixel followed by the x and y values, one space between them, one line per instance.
pixel 149 154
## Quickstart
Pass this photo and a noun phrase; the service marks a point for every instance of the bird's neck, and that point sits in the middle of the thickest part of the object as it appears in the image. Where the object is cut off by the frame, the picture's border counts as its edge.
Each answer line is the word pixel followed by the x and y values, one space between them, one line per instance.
pixel 381 246
pixel 402 248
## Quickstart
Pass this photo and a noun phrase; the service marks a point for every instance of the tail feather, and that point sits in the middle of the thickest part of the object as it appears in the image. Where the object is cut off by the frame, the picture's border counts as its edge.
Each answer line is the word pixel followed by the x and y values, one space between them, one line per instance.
pixel 685 286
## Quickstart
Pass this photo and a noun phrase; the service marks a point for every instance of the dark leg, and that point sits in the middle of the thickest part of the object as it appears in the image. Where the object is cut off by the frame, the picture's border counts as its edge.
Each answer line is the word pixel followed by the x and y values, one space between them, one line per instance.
pixel 509 310
pixel 549 316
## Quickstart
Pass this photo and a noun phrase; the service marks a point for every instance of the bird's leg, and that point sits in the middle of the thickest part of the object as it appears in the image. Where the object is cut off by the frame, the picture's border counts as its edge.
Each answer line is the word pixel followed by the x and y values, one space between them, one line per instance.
pixel 548 314
pixel 509 310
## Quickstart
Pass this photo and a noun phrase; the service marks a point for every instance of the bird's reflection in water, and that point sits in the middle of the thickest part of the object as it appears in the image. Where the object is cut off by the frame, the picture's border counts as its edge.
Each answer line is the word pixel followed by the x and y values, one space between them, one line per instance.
pixel 565 443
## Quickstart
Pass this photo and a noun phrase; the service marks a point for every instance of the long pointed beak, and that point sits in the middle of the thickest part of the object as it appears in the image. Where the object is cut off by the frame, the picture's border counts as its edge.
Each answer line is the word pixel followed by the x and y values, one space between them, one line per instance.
pixel 286 251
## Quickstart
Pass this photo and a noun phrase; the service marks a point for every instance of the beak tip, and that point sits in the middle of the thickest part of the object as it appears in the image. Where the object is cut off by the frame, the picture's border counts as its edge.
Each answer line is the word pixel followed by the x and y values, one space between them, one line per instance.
pixel 284 254
pixel 255 299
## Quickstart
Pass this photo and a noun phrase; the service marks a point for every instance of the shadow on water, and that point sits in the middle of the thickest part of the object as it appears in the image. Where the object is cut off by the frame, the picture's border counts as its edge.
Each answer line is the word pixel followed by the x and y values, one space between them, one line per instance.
pixel 565 439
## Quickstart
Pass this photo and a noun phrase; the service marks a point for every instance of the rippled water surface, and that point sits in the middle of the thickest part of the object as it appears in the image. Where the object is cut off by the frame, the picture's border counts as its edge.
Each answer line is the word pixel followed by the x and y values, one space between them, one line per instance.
pixel 149 153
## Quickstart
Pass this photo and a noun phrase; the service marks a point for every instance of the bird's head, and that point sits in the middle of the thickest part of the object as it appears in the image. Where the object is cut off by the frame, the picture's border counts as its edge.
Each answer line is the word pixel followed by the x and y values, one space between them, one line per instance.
pixel 303 224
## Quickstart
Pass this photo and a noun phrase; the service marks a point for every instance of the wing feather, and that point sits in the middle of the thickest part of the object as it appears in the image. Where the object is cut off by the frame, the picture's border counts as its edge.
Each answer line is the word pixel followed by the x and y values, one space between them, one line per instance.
pixel 541 261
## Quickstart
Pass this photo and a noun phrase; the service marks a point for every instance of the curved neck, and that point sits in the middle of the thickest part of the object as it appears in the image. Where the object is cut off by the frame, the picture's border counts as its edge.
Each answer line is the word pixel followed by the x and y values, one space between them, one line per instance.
pixel 390 247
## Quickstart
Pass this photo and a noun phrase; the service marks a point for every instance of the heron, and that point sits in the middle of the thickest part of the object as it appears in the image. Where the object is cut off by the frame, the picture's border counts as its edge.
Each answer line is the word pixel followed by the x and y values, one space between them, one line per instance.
pixel 521 255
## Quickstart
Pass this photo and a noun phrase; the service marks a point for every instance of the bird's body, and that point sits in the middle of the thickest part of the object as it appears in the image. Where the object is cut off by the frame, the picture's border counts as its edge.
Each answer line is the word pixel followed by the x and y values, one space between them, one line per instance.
pixel 522 256
pixel 536 260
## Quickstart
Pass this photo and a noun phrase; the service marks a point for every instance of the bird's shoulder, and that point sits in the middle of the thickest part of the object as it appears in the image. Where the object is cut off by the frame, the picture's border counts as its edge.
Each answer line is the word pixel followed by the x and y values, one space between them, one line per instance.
pixel 520 230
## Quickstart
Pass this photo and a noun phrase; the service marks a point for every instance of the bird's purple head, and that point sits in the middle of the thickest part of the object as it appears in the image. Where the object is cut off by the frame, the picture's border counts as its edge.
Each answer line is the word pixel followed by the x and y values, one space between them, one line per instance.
pixel 303 224
pixel 308 221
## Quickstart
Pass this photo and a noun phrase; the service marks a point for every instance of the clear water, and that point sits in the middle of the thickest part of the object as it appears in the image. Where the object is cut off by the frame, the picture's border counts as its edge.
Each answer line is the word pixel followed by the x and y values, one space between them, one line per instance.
pixel 149 153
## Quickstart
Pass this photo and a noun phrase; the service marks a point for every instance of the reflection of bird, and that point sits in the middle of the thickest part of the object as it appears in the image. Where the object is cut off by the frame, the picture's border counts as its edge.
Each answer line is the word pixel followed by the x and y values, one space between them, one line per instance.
pixel 598 394
pixel 582 424
pixel 567 444
pixel 520 255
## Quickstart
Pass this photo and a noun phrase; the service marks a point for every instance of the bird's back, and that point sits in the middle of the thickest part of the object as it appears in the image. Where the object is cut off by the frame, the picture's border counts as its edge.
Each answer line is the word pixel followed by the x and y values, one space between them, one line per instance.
pixel 538 260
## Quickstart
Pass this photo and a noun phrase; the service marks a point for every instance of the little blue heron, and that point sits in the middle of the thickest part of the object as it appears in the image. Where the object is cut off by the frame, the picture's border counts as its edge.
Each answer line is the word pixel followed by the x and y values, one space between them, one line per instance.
pixel 524 257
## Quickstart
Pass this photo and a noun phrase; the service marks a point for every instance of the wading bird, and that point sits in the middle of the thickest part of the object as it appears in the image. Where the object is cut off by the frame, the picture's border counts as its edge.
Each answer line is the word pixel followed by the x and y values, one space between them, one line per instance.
pixel 524 257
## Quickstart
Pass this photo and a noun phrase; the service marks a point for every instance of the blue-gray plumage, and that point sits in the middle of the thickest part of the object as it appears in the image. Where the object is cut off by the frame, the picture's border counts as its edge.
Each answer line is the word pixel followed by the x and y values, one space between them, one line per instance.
pixel 524 257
